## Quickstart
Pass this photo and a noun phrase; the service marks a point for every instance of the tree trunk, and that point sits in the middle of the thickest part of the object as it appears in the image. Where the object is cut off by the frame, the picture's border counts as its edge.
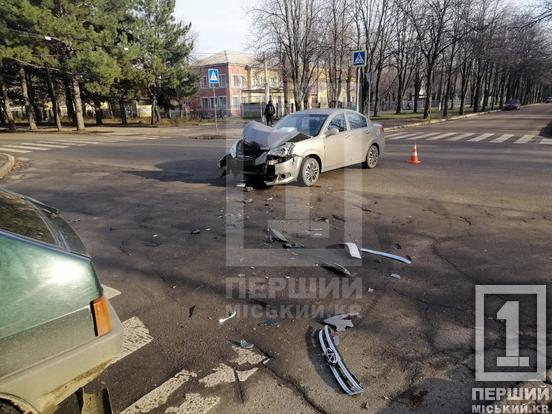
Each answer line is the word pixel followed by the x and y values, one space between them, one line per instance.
pixel 26 100
pixel 376 91
pixel 32 97
pixel 122 111
pixel 77 104
pixel 417 87
pixel 53 98
pixel 399 93
pixel 429 91
pixel 6 102
pixel 69 102
pixel 98 111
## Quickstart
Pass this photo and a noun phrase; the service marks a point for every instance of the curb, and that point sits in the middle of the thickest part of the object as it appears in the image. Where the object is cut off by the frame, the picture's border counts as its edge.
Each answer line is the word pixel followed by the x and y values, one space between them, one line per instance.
pixel 438 121
pixel 6 167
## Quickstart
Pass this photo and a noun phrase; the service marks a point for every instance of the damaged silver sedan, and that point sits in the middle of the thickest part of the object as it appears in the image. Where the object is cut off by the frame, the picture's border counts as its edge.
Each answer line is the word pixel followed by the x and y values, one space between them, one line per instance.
pixel 304 144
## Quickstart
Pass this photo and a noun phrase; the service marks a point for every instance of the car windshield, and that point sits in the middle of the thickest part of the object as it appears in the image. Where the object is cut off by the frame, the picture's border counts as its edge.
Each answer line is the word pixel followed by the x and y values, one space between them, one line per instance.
pixel 308 124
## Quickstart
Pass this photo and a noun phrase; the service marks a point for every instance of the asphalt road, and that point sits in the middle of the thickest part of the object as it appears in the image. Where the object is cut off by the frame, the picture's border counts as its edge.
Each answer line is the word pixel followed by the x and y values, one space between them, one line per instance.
pixel 473 212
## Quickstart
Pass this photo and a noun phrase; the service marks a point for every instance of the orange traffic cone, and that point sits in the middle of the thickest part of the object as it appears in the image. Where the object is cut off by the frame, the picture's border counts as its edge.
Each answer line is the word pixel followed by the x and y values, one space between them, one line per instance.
pixel 414 157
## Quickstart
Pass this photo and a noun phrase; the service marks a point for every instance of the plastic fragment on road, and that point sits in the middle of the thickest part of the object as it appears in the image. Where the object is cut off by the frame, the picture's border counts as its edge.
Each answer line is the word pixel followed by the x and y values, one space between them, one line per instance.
pixel 196 231
pixel 346 380
pixel 388 255
pixel 396 276
pixel 352 248
pixel 340 322
pixel 269 322
pixel 240 185
pixel 276 235
pixel 336 267
pixel 293 246
pixel 222 320
pixel 246 344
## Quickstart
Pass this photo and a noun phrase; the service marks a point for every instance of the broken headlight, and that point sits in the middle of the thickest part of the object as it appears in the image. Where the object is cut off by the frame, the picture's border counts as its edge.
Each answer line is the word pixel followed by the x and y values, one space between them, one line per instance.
pixel 283 151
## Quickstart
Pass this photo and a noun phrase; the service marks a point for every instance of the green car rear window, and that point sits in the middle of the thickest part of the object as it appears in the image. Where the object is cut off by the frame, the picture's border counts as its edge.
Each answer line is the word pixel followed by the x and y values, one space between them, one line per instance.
pixel 20 217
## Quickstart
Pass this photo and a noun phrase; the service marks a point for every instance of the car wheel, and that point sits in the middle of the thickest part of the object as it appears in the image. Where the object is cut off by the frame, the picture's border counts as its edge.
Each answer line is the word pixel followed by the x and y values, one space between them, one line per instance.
pixel 310 171
pixel 6 408
pixel 372 157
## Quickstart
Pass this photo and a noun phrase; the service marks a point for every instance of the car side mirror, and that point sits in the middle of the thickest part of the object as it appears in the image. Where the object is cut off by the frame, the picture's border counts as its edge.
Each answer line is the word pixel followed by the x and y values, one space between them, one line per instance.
pixel 332 131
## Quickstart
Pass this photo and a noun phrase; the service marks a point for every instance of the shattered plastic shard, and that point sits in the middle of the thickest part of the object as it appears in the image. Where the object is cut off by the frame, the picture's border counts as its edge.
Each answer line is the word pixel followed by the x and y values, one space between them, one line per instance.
pixel 344 377
pixel 336 267
pixel 246 344
pixel 222 320
pixel 352 248
pixel 275 234
pixel 388 255
pixel 340 322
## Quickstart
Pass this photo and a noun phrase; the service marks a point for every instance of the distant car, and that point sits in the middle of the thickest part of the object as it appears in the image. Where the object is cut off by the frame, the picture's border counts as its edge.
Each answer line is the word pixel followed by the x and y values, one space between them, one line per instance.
pixel 512 104
pixel 548 99
pixel 304 144
pixel 57 330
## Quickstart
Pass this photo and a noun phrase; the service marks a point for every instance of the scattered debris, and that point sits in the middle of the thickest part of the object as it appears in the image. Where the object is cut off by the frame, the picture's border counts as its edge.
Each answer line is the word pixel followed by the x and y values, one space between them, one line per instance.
pixel 196 231
pixel 276 235
pixel 228 317
pixel 246 344
pixel 269 199
pixel 336 267
pixel 191 311
pixel 398 246
pixel 324 219
pixel 344 377
pixel 248 189
pixel 241 274
pixel 352 248
pixel 340 321
pixel 269 322
pixel 335 216
pixel 247 201
pixel 370 290
pixel 336 340
pixel 388 255
pixel 293 246
pixel 240 185
pixel 396 276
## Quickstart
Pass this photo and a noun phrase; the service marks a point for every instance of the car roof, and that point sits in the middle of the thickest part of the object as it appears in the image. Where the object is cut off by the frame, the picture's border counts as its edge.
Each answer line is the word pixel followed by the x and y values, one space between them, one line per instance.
pixel 324 111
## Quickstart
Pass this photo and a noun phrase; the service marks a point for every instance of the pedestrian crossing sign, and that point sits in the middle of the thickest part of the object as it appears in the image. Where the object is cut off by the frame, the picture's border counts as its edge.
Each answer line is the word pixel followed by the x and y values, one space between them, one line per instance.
pixel 213 75
pixel 359 58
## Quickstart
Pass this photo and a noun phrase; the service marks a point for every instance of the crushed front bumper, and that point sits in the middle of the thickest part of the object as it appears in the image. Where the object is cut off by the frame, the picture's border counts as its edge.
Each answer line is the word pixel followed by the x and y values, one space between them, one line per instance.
pixel 267 169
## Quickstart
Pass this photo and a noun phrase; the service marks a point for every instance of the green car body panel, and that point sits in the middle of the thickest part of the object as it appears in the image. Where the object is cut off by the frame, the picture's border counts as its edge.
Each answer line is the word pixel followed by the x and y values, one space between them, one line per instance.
pixel 47 286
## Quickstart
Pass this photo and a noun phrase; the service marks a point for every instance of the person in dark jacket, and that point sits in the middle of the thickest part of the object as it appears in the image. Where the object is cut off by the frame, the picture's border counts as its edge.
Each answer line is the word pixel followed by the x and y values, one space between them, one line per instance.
pixel 269 113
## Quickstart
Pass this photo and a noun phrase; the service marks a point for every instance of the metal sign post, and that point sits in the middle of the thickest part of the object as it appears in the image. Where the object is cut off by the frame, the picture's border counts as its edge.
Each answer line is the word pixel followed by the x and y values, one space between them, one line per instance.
pixel 369 77
pixel 213 75
pixel 359 60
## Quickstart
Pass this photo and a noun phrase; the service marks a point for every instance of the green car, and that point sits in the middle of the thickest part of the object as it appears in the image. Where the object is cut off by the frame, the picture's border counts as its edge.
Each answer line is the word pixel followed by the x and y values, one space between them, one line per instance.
pixel 57 330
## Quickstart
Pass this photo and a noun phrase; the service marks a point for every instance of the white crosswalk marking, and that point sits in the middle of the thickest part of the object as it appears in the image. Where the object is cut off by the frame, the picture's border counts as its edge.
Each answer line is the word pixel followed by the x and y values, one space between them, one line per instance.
pixel 502 138
pixel 159 395
pixel 524 139
pixel 27 147
pixel 78 141
pixel 17 151
pixel 460 137
pixel 135 336
pixel 397 135
pixel 480 137
pixel 448 134
pixel 37 144
pixel 546 141
pixel 411 135
pixel 422 136
pixel 69 143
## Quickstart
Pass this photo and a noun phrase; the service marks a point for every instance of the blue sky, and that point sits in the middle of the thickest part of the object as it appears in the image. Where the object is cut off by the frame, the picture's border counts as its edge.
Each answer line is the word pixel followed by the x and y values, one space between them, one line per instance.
pixel 218 24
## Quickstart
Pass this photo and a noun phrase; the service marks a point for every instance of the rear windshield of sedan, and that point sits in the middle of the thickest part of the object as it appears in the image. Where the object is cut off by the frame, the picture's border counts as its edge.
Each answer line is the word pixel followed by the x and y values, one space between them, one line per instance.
pixel 21 217
pixel 308 124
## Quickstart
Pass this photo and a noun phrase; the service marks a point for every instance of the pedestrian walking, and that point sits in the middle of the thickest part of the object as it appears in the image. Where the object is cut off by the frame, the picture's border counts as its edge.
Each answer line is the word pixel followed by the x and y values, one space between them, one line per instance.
pixel 269 113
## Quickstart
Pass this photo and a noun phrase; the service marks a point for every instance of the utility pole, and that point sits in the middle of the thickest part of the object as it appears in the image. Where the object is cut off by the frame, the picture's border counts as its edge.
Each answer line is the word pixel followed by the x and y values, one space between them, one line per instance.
pixel 266 87
pixel 358 90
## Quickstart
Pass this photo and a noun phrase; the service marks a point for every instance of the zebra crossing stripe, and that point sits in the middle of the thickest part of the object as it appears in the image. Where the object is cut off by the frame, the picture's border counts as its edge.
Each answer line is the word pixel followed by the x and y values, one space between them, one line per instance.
pixel 69 143
pixel 422 136
pixel 448 134
pixel 13 150
pixel 461 136
pixel 524 139
pixel 37 144
pixel 411 135
pixel 135 336
pixel 27 147
pixel 480 137
pixel 546 141
pixel 502 138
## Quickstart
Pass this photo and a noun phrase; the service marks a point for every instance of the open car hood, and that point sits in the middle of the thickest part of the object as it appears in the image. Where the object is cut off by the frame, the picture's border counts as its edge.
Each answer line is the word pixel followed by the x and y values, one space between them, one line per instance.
pixel 268 138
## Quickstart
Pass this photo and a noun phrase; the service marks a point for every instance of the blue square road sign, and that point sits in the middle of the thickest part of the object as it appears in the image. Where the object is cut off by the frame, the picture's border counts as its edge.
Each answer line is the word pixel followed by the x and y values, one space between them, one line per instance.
pixel 359 58
pixel 213 75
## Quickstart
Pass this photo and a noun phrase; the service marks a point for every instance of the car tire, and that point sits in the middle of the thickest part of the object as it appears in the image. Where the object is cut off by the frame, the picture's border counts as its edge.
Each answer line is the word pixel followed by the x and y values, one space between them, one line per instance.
pixel 372 157
pixel 6 408
pixel 309 172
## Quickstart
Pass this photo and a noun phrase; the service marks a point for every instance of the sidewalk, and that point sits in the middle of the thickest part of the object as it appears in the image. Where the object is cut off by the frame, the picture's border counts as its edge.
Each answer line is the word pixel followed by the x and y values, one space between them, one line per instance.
pixel 6 164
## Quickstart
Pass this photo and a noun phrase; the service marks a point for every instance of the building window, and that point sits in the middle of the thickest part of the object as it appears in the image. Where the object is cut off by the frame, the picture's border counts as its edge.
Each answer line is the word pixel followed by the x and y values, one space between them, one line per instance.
pixel 222 79
pixel 243 82
pixel 204 82
pixel 205 103
pixel 236 81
